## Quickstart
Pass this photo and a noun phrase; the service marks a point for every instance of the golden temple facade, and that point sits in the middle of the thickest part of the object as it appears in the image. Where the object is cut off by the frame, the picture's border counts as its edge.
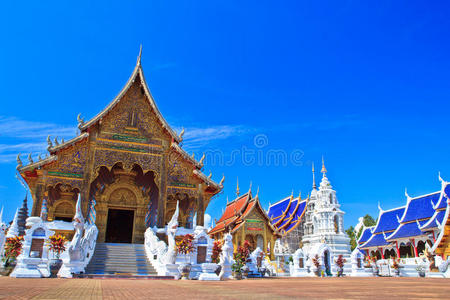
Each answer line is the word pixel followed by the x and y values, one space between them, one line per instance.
pixel 127 166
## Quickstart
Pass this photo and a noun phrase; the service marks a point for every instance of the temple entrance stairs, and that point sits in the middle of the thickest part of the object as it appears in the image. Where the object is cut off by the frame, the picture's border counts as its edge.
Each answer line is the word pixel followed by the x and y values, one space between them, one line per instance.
pixel 120 261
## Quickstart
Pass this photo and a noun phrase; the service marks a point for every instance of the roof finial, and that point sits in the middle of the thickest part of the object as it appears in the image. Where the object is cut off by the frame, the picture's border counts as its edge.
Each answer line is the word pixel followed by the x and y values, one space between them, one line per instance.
pixel 140 55
pixel 237 187
pixel 440 178
pixel 406 194
pixel 300 196
pixel 257 191
pixel 181 134
pixel 222 180
pixel 292 193
pixel 250 188
pixel 314 177
pixel 324 170
pixel 379 206
pixel 227 200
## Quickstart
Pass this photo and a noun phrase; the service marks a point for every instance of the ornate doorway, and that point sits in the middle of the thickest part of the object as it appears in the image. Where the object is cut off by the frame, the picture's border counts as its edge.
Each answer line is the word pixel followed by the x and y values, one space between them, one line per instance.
pixel 119 228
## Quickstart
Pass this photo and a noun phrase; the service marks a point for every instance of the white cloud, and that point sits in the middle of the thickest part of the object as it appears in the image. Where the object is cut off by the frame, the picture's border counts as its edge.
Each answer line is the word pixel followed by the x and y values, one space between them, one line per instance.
pixel 21 136
pixel 196 137
pixel 16 128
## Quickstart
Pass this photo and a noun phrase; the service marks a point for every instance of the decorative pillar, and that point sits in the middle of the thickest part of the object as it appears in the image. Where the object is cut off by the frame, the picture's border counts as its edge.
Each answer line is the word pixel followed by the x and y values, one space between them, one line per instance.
pixel 416 254
pixel 381 251
pixel 265 239
pixel 398 250
pixel 272 242
pixel 162 192
pixel 200 207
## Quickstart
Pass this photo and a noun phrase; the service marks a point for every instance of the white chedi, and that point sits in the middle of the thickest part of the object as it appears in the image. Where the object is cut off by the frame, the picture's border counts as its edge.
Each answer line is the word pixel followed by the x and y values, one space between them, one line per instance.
pixel 323 228
pixel 14 228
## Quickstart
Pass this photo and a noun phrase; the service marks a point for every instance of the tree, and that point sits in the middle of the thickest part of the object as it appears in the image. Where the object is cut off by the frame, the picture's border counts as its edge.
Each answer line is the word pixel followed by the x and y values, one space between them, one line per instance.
pixel 368 221
pixel 351 234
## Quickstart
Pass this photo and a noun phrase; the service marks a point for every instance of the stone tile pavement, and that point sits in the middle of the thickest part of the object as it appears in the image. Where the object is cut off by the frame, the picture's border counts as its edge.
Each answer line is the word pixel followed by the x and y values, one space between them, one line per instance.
pixel 280 288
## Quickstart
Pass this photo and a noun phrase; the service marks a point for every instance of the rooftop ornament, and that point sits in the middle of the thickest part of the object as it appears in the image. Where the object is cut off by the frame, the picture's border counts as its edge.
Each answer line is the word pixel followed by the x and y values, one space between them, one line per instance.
pixel 30 159
pixel 222 181
pixel 181 134
pixel 80 121
pixel 49 142
pixel 19 162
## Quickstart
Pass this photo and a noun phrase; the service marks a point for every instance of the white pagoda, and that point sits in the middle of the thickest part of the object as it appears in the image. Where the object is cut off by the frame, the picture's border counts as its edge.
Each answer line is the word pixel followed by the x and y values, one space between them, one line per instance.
pixel 323 226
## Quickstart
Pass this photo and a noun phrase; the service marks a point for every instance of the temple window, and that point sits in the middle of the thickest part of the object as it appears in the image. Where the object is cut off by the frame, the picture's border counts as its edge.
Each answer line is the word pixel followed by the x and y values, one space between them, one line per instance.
pixel 336 224
pixel 420 247
pixel 331 199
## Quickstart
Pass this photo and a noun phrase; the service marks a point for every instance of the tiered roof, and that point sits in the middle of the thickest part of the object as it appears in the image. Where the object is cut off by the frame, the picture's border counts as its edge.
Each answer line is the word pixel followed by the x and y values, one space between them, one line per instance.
pixel 286 214
pixel 365 235
pixel 418 211
pixel 420 216
pixel 236 212
pixel 387 222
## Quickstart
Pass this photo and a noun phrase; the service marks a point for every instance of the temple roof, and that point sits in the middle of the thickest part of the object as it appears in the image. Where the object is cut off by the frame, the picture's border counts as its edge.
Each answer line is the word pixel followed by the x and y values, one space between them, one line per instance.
pixel 286 214
pixel 365 235
pixel 236 212
pixel 406 230
pixel 297 218
pixel 278 210
pixel 434 221
pixel 388 220
pixel 376 240
pixel 68 143
pixel 232 212
pixel 137 71
pixel 419 208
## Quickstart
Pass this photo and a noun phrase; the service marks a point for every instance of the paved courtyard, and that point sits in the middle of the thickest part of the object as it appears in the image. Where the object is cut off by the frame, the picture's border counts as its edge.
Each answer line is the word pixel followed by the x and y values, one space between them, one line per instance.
pixel 286 288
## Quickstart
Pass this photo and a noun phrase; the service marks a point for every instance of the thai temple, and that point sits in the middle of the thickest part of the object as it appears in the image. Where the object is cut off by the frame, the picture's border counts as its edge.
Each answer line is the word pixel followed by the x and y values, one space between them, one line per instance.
pixel 246 220
pixel 409 231
pixel 314 225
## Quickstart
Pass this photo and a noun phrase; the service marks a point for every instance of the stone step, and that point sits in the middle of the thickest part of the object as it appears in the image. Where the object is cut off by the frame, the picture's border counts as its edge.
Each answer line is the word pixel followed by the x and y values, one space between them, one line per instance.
pixel 113 259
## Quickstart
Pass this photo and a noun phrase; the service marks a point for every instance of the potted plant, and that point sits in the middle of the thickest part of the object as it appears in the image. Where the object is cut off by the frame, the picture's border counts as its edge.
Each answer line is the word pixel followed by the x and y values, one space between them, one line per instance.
pixel 240 258
pixel 340 261
pixel 316 263
pixel 236 267
pixel 396 266
pixel 367 264
pixel 421 270
pixel 56 244
pixel 12 249
pixel 185 246
pixel 215 256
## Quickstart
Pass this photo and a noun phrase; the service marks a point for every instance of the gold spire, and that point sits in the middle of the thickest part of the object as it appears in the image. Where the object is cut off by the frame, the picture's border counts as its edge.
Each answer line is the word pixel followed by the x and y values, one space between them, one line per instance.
pixel 324 170
pixel 300 196
pixel 237 187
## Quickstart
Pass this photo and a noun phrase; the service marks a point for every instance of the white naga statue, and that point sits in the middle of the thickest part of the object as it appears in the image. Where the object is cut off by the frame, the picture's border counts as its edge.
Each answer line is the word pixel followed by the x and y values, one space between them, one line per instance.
pixel 75 249
pixel 226 257
pixel 172 226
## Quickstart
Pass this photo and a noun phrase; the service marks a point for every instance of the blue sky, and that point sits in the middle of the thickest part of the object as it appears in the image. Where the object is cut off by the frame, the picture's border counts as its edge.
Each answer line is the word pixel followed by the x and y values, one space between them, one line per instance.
pixel 364 84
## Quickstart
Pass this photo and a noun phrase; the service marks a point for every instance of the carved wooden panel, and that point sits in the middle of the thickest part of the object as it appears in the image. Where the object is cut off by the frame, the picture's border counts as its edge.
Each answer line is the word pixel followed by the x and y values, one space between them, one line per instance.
pixel 122 197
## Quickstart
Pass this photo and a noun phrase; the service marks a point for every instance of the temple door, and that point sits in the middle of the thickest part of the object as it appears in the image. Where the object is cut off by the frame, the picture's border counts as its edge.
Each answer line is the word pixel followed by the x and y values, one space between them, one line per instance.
pixel 201 254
